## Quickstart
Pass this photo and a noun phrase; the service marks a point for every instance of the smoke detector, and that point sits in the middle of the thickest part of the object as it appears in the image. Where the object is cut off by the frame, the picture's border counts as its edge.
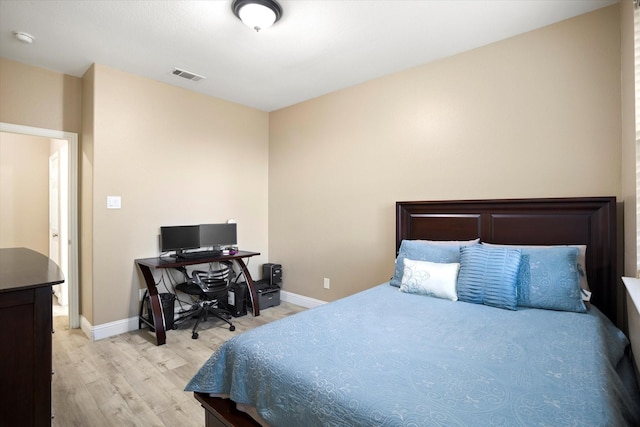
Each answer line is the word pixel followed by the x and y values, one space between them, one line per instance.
pixel 23 37
pixel 187 75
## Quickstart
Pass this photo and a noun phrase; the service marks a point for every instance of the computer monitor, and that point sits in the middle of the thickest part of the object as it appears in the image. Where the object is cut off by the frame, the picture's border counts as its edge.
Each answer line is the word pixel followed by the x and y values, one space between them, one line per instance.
pixel 218 235
pixel 180 237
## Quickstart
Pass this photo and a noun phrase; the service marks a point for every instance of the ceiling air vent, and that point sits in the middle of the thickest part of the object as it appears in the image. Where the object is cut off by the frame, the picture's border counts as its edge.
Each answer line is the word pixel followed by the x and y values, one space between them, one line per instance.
pixel 187 75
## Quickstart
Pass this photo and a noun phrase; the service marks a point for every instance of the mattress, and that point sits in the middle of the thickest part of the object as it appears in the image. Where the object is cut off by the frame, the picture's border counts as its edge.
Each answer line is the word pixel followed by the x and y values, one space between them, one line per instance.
pixel 387 358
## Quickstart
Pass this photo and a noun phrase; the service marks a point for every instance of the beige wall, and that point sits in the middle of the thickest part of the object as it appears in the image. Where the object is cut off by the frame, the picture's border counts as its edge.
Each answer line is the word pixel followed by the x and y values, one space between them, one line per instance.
pixel 40 98
pixel 85 214
pixel 628 173
pixel 24 192
pixel 175 157
pixel 536 115
pixel 628 140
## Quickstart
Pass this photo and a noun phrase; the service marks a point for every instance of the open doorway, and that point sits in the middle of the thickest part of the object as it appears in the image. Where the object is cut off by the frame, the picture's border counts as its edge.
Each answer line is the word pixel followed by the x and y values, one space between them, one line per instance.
pixel 59 240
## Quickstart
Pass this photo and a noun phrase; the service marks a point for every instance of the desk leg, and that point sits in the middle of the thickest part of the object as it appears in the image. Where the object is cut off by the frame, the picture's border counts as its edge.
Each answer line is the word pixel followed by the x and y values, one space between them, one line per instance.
pixel 252 290
pixel 156 307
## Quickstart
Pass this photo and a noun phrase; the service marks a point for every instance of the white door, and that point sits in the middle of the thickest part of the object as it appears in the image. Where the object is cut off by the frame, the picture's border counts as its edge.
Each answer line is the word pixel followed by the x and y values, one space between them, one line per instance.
pixel 56 232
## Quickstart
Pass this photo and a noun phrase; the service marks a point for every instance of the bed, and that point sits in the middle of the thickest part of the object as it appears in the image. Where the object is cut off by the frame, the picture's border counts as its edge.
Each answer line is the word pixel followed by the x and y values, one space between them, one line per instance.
pixel 414 358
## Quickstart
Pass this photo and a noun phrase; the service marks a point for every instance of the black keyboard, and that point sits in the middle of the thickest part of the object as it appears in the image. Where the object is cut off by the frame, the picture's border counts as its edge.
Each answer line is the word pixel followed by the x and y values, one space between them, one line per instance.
pixel 198 254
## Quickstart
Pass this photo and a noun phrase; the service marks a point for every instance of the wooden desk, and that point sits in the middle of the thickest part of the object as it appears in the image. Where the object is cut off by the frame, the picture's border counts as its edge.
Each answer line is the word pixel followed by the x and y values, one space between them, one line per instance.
pixel 146 264
pixel 26 277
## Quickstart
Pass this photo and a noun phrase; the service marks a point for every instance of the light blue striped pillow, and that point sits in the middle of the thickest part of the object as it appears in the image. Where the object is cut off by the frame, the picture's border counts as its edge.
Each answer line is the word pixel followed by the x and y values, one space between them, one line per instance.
pixel 489 275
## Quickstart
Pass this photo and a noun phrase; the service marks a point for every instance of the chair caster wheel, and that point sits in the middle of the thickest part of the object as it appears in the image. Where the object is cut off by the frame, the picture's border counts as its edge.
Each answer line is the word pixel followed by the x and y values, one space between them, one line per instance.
pixel 194 336
pixel 232 328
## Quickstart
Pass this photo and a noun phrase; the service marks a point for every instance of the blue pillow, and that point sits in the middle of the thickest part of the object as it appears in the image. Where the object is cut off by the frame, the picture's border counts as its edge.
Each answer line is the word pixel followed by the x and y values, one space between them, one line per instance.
pixel 421 251
pixel 523 283
pixel 488 275
pixel 553 280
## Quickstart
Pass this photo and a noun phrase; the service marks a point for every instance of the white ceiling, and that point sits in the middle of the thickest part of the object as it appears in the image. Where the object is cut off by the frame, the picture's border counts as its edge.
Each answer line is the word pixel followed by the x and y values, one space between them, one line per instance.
pixel 318 46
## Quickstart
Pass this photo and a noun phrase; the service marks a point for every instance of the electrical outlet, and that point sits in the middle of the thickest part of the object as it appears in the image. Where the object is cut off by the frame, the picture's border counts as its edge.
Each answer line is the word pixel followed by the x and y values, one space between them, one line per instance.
pixel 327 283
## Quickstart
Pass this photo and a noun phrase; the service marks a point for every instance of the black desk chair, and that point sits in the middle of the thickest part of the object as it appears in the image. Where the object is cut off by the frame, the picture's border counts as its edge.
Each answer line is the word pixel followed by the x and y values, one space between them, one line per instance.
pixel 210 288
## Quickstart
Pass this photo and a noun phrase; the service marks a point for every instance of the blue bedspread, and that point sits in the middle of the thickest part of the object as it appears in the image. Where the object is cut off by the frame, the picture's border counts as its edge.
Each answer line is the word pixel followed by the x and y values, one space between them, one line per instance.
pixel 386 358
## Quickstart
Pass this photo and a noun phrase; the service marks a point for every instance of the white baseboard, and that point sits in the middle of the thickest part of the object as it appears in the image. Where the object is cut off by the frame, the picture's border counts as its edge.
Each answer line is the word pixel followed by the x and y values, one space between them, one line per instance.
pixel 110 329
pixel 300 300
pixel 86 327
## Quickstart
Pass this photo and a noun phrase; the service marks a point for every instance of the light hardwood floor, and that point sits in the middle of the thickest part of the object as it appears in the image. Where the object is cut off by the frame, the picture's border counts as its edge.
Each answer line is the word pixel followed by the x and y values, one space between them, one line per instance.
pixel 127 380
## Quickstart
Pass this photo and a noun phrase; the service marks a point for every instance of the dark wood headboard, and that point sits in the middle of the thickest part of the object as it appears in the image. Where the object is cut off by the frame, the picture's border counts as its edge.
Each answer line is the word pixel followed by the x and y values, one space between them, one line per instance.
pixel 587 221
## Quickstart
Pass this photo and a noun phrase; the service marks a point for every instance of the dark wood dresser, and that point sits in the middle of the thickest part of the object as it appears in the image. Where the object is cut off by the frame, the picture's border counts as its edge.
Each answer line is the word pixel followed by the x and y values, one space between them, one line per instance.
pixel 26 325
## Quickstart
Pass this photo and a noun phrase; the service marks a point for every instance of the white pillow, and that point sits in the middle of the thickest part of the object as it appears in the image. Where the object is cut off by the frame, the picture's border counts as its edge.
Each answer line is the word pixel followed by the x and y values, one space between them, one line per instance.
pixel 430 278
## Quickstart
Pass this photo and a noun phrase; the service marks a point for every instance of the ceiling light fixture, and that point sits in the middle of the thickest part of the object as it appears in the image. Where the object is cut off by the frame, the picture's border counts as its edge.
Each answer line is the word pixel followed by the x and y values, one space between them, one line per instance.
pixel 257 14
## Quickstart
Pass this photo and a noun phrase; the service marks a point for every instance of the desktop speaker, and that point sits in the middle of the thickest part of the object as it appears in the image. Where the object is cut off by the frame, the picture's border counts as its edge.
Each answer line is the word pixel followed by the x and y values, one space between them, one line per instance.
pixel 272 274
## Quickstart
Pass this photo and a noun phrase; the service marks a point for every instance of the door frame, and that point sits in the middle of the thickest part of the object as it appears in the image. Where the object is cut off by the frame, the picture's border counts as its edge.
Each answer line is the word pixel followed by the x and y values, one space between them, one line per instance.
pixel 72 247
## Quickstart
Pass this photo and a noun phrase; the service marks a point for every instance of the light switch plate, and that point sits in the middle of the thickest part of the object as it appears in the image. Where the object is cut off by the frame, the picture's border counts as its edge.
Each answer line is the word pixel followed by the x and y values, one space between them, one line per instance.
pixel 114 202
